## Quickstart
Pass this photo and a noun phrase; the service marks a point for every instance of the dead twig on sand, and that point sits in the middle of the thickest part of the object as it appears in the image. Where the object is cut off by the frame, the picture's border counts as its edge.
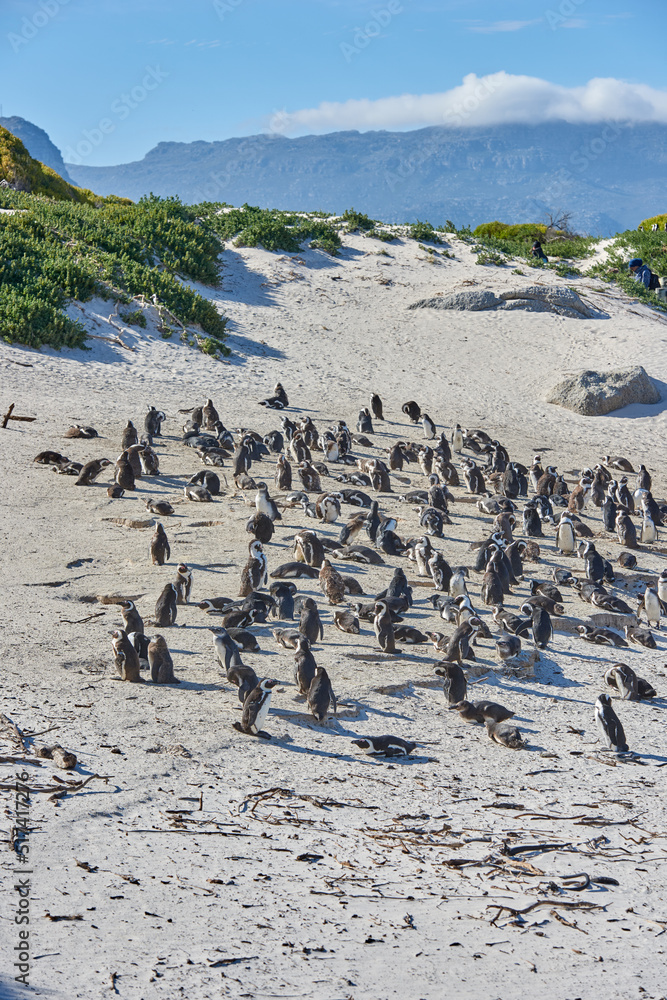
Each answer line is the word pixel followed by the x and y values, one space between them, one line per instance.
pixel 290 794
pixel 9 415
pixel 578 905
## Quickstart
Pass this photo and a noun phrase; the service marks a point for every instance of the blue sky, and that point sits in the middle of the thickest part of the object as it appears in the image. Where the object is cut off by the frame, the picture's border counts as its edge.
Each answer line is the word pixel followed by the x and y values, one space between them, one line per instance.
pixel 182 70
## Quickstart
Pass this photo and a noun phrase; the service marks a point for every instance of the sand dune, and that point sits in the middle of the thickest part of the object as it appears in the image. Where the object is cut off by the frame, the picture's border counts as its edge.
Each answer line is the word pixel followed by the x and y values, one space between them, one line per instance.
pixel 370 879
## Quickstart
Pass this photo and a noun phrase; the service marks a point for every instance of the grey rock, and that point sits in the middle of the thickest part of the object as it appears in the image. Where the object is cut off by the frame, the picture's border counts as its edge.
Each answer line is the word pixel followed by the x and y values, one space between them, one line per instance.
pixel 535 298
pixel 556 297
pixel 474 301
pixel 595 393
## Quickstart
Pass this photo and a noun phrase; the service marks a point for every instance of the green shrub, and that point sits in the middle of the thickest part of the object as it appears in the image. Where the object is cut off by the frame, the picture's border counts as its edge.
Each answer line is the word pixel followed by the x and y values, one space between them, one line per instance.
pixel 272 229
pixel 381 234
pixel 356 221
pixel 423 232
pixel 135 318
pixel 52 251
pixel 660 220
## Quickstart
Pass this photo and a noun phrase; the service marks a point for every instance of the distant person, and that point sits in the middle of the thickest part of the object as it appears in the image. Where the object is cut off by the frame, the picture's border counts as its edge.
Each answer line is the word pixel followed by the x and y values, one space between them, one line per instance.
pixel 642 273
pixel 537 251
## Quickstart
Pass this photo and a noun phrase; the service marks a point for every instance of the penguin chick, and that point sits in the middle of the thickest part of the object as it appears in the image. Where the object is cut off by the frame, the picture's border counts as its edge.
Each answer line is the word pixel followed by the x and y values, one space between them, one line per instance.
pixel 160 661
pixel 125 657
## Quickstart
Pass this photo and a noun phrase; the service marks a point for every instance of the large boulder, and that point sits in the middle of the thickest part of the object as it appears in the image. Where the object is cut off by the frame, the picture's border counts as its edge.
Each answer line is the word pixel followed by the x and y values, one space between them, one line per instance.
pixel 535 298
pixel 595 393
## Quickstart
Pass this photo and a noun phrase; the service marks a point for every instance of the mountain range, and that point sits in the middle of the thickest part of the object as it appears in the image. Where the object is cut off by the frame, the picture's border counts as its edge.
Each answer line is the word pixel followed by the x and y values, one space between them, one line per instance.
pixel 609 176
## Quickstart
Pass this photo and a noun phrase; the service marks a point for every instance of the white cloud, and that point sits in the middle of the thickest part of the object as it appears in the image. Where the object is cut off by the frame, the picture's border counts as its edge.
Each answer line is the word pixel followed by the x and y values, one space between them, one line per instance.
pixel 489 100
pixel 490 29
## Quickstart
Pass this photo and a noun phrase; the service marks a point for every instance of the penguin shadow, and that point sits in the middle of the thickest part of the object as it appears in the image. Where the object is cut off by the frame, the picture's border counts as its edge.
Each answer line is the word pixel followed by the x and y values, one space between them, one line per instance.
pixel 363 712
pixel 193 685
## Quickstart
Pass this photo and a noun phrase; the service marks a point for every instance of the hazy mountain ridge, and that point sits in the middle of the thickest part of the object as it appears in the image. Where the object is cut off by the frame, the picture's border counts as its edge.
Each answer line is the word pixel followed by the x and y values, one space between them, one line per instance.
pixel 609 176
pixel 38 144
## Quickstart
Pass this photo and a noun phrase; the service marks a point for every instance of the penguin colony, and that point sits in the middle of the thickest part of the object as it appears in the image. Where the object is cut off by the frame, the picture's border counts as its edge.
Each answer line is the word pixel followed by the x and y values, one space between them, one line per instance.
pixel 321 477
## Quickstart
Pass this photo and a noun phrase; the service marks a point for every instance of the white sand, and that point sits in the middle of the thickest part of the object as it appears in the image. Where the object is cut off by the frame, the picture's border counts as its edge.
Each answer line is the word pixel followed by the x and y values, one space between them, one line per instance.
pixel 389 909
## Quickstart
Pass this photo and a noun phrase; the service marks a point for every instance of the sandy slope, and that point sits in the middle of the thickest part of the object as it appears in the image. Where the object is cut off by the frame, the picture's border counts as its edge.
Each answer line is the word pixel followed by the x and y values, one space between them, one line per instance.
pixel 384 882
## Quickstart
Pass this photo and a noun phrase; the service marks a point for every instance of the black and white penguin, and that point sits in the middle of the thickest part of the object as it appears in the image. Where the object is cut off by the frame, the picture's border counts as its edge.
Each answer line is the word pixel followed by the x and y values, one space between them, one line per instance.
pixel 384 629
pixel 441 572
pixel 505 734
pixel 473 477
pixel 133 621
pixel 609 725
pixel 304 665
pixel 255 574
pixel 600 636
pixel 594 563
pixel 541 624
pixel 209 480
pixel 454 683
pixel 161 507
pixel 256 709
pixel 265 505
pixel 532 522
pixel 457 439
pixel 385 746
pixel 565 538
pixel 365 422
pixel 91 471
pixel 320 696
pixel 376 406
pixel 623 680
pixel 140 643
pixel 650 604
pixel 183 583
pixel 278 401
pixel 428 427
pixel 626 531
pixel 412 410
pixel 153 422
pixel 166 607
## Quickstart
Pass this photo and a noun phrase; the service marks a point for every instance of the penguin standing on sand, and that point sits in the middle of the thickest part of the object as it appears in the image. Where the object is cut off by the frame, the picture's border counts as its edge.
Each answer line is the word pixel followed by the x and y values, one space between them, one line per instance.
pixel 457 440
pixel 166 607
pixel 320 695
pixel 256 708
pixel 428 426
pixel 304 665
pixel 125 657
pixel 132 620
pixel 384 629
pixel 609 725
pixel 454 683
pixel 376 406
pixel 160 661
pixel 565 539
